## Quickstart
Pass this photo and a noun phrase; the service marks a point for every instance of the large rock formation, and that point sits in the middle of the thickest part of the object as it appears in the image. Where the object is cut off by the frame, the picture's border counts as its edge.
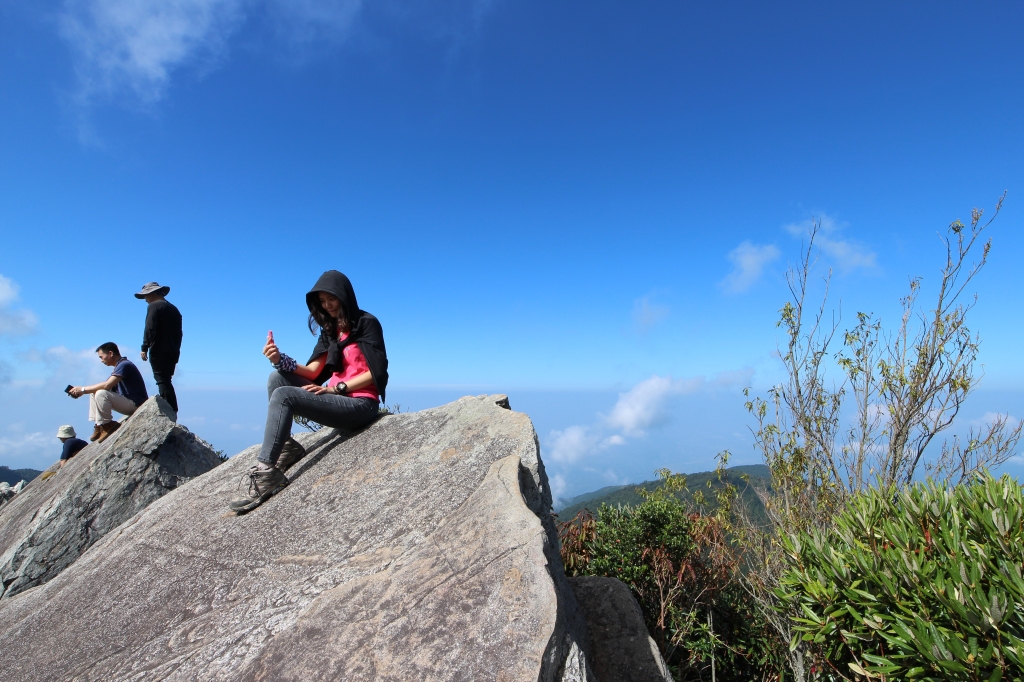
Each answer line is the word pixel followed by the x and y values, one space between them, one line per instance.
pixel 60 514
pixel 421 548
pixel 623 650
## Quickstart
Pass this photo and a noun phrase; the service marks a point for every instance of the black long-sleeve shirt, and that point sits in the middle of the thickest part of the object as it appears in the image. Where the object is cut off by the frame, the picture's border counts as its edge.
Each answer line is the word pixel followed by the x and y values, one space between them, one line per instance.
pixel 163 329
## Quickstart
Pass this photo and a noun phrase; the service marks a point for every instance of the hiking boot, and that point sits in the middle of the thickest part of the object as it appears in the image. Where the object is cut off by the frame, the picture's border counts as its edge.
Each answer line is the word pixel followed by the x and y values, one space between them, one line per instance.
pixel 263 483
pixel 291 453
pixel 96 433
pixel 106 430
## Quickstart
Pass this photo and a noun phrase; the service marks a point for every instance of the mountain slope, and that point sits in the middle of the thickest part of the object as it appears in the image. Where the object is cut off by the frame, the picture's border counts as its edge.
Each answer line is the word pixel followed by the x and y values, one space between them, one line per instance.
pixel 12 476
pixel 626 495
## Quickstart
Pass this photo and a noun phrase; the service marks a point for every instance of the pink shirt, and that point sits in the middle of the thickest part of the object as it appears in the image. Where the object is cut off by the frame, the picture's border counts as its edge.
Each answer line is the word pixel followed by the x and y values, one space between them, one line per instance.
pixel 353 364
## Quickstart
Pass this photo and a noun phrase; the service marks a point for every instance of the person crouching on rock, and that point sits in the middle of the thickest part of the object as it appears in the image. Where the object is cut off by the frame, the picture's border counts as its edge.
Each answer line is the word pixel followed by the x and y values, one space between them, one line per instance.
pixel 72 443
pixel 124 391
pixel 349 356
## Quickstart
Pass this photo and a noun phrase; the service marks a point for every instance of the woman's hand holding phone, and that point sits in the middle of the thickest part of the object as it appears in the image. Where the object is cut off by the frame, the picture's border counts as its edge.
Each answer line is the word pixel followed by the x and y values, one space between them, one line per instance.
pixel 270 349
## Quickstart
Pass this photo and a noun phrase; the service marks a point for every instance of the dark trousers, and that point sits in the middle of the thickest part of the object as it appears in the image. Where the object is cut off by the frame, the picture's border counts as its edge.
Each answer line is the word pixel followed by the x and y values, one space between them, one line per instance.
pixel 288 398
pixel 163 370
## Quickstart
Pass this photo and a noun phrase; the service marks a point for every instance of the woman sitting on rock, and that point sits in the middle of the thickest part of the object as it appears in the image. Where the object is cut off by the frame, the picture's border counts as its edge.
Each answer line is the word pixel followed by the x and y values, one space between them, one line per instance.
pixel 349 355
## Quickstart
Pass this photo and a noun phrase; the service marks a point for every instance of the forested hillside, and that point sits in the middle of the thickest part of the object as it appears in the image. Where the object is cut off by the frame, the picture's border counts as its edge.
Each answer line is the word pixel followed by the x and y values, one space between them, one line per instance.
pixel 12 476
pixel 627 495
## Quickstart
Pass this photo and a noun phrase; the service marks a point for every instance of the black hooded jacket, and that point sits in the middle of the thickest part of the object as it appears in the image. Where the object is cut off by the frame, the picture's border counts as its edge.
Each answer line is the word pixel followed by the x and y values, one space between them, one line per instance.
pixel 365 331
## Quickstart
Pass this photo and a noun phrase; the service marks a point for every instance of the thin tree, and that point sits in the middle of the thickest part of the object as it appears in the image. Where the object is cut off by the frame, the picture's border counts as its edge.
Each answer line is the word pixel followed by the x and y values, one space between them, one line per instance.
pixel 902 388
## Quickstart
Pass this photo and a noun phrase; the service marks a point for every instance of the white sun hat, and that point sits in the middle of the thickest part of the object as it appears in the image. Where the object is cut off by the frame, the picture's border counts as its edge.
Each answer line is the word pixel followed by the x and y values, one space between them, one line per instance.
pixel 66 431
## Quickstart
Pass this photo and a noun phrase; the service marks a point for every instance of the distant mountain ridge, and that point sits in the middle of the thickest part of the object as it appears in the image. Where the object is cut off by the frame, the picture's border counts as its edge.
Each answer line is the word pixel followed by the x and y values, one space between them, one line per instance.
pixel 12 476
pixel 626 494
pixel 586 497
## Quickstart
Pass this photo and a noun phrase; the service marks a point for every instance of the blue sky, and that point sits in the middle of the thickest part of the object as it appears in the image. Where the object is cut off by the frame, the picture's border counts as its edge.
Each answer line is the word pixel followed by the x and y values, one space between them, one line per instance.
pixel 589 207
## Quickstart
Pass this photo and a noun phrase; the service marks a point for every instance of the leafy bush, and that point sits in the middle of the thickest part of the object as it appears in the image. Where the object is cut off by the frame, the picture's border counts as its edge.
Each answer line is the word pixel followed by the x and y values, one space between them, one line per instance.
pixel 681 568
pixel 924 583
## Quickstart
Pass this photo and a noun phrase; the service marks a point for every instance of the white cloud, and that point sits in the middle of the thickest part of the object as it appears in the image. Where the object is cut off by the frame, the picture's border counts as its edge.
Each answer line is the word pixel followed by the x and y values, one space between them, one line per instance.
pixel 27 446
pixel 136 44
pixel 558 487
pixel 54 368
pixel 571 444
pixel 302 23
pixel 8 291
pixel 642 406
pixel 988 419
pixel 613 478
pixel 748 262
pixel 647 314
pixel 13 322
pixel 75 366
pixel 845 254
pixel 134 47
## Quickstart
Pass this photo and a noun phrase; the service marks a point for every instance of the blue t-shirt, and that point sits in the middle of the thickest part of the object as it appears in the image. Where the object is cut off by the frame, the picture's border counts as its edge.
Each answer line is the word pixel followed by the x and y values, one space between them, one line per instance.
pixel 132 385
pixel 72 446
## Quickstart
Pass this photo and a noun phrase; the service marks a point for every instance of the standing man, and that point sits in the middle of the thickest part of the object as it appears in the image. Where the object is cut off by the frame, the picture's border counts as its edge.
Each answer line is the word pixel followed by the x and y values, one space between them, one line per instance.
pixel 161 342
pixel 124 391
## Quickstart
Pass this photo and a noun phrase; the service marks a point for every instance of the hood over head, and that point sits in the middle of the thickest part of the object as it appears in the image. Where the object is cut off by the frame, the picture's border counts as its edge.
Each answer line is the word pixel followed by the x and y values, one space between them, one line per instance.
pixel 365 330
pixel 338 285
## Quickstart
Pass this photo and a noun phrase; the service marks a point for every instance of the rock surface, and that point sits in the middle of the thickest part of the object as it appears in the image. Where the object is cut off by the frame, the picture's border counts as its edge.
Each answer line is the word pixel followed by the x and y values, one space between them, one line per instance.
pixel 8 491
pixel 623 651
pixel 60 514
pixel 421 548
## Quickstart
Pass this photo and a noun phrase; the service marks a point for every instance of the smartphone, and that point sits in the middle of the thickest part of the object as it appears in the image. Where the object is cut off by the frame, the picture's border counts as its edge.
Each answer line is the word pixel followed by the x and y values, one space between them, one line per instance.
pixel 68 389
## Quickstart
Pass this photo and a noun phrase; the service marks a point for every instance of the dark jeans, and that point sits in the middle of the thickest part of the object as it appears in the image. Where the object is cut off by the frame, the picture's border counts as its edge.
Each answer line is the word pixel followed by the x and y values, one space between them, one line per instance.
pixel 287 399
pixel 163 370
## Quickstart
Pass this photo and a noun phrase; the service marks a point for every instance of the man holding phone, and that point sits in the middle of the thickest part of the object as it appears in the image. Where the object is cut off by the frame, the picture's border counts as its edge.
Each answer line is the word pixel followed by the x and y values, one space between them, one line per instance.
pixel 123 392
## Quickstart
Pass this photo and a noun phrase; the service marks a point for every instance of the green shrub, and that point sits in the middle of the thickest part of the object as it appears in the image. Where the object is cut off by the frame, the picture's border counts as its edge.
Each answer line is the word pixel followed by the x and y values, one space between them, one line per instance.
pixel 682 570
pixel 924 584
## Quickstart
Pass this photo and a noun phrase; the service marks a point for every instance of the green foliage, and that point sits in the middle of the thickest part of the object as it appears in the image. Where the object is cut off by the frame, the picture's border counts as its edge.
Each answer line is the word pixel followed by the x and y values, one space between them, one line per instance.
pixel 923 583
pixel 828 437
pixel 682 570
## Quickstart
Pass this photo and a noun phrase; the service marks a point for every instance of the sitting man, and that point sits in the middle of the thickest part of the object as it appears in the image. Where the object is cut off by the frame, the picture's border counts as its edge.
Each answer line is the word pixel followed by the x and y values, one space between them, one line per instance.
pixel 131 392
pixel 72 443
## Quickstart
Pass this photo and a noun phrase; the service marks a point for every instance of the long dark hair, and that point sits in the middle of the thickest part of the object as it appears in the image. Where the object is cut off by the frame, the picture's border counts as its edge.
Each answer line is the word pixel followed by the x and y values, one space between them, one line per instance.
pixel 320 321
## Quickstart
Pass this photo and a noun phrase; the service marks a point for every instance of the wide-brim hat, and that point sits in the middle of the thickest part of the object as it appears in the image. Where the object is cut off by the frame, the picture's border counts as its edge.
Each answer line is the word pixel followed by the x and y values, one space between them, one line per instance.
pixel 66 431
pixel 152 288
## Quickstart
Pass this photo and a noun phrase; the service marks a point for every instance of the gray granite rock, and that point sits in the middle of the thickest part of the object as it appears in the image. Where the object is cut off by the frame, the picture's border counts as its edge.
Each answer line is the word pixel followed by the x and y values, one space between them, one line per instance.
pixel 8 491
pixel 421 548
pixel 623 651
pixel 61 513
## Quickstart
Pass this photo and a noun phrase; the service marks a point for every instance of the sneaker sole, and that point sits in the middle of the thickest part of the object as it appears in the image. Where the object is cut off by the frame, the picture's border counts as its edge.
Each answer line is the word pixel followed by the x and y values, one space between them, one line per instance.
pixel 249 506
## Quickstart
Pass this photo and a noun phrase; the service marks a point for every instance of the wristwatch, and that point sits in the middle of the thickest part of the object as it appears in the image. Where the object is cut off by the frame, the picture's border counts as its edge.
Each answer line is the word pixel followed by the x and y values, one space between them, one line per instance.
pixel 341 388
